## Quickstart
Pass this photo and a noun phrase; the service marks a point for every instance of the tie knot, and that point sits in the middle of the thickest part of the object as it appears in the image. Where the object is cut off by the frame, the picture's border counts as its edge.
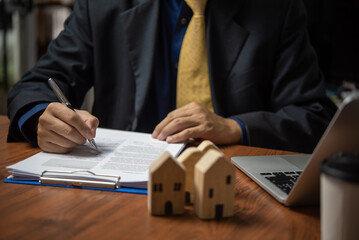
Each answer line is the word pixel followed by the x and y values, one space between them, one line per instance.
pixel 197 6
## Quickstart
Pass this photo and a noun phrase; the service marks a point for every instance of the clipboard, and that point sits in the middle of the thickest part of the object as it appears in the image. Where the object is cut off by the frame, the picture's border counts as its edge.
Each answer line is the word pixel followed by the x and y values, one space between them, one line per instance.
pixel 95 184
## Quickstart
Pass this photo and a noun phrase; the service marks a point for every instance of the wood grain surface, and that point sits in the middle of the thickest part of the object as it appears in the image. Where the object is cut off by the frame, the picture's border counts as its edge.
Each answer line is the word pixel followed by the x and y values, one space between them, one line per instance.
pixel 41 212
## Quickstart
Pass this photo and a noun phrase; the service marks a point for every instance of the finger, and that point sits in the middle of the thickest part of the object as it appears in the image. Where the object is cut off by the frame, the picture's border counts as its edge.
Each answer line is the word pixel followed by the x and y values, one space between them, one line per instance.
pixel 158 129
pixel 177 125
pixel 52 148
pixel 90 120
pixel 184 111
pixel 49 123
pixel 182 136
pixel 71 118
pixel 53 137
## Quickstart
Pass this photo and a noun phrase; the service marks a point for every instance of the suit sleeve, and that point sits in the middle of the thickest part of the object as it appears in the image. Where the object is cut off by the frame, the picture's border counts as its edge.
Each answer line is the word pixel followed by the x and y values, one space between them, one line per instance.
pixel 69 60
pixel 300 110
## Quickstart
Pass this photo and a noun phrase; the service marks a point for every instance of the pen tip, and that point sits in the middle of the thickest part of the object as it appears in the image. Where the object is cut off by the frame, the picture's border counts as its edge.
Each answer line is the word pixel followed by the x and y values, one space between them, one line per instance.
pixel 92 142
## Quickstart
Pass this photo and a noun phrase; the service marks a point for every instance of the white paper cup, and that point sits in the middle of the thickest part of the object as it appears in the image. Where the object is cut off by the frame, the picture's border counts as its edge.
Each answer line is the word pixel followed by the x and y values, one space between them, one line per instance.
pixel 339 204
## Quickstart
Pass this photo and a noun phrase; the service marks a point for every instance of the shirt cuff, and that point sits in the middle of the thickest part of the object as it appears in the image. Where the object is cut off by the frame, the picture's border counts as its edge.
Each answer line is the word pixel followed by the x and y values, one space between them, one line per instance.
pixel 26 122
pixel 242 125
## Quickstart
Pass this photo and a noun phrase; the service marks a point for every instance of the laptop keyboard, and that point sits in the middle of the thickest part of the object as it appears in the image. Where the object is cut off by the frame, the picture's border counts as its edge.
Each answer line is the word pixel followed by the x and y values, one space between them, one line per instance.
pixel 284 180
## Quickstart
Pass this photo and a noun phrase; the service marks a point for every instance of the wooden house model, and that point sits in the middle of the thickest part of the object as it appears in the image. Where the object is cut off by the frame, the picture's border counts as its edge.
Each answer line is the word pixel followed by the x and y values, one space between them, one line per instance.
pixel 166 186
pixel 189 158
pixel 206 145
pixel 214 186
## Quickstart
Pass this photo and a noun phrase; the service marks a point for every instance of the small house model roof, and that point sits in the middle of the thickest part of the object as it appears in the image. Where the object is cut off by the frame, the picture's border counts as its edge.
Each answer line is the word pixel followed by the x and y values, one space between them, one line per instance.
pixel 206 145
pixel 161 160
pixel 188 153
pixel 209 159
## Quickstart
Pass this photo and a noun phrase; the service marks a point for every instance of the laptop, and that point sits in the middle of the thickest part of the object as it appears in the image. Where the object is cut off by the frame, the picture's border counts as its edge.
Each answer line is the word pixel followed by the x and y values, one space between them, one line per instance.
pixel 294 180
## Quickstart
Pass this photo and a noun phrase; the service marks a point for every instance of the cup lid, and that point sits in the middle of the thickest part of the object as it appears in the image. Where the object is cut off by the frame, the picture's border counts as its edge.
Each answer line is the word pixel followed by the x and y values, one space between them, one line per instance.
pixel 342 165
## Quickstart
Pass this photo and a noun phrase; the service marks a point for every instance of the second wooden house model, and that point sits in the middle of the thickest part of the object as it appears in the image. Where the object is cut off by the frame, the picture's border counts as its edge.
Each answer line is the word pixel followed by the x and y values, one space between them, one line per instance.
pixel 213 186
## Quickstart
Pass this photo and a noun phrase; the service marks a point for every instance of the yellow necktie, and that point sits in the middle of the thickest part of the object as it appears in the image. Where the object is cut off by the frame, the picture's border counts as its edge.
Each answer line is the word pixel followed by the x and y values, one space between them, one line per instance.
pixel 192 77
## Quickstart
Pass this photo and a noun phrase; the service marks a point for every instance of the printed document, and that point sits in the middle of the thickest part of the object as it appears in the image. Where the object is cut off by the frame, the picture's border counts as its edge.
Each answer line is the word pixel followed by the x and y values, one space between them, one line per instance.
pixel 121 153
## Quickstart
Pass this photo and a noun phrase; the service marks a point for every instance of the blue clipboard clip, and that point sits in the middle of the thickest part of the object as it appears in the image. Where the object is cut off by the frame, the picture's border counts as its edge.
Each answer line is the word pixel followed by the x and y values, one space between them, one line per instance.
pixel 92 183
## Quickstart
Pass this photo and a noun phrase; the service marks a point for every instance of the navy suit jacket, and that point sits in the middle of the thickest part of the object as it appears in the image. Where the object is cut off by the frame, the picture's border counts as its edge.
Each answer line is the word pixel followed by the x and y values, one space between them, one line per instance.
pixel 261 65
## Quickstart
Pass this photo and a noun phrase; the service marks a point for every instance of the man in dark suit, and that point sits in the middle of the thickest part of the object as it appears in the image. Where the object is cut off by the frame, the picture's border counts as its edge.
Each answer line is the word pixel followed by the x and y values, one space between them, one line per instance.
pixel 266 88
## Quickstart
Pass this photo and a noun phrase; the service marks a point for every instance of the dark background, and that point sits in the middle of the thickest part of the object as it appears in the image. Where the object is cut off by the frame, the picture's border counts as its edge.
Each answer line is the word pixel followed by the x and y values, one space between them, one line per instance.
pixel 333 26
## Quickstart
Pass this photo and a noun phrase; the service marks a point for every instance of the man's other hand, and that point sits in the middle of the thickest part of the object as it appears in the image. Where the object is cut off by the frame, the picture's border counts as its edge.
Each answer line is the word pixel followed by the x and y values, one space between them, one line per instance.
pixel 195 121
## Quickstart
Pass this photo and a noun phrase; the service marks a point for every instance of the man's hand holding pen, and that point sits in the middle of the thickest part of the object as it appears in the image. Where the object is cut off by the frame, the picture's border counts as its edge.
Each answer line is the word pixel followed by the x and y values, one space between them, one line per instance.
pixel 60 129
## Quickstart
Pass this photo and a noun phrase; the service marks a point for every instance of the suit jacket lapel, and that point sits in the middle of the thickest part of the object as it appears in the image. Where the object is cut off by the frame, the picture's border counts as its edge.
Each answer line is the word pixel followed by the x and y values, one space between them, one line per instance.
pixel 225 38
pixel 141 27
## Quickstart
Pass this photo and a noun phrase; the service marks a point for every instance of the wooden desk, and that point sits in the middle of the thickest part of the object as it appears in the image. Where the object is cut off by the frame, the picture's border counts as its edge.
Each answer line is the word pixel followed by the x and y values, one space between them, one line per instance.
pixel 39 212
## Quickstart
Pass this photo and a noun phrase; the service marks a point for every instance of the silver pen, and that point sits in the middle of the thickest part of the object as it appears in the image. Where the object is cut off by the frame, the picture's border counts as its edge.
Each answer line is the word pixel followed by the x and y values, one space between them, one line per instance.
pixel 64 100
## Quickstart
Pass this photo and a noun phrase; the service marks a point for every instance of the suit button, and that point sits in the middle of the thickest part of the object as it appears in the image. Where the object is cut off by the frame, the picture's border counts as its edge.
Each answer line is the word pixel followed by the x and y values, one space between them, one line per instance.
pixel 183 21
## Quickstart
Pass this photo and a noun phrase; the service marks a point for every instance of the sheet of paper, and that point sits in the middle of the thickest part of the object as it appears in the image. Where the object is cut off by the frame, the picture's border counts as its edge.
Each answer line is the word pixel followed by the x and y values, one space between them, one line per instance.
pixel 121 153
